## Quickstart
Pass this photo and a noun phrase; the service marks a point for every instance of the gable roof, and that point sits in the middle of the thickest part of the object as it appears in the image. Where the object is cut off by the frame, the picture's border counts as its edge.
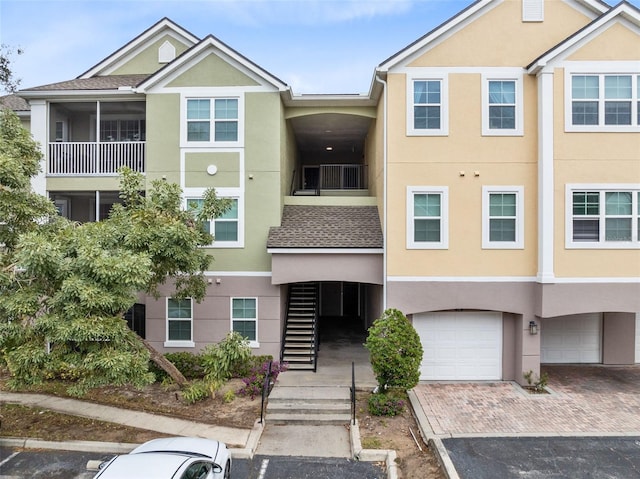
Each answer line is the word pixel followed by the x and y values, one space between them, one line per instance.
pixel 231 55
pixel 14 102
pixel 623 10
pixel 459 20
pixel 327 227
pixel 111 62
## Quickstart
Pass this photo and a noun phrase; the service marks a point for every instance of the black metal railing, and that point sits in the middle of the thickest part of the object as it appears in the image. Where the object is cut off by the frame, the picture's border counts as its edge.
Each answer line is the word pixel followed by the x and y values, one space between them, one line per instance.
pixel 266 389
pixel 353 393
pixel 316 332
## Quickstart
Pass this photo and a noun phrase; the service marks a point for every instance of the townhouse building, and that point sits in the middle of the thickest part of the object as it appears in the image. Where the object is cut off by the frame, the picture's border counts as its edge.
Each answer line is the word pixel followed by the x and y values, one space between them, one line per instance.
pixel 488 186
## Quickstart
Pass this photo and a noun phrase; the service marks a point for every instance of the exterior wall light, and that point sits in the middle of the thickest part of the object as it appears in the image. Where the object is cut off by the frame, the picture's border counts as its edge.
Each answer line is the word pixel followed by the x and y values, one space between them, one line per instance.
pixel 533 327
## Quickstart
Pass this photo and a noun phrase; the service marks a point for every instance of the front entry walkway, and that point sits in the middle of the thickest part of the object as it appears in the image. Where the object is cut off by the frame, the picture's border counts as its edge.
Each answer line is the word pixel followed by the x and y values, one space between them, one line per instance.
pixel 583 400
pixel 334 367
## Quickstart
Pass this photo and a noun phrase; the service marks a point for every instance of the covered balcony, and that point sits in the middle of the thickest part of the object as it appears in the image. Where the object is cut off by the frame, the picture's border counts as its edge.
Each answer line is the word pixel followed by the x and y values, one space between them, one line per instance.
pixel 96 138
pixel 330 153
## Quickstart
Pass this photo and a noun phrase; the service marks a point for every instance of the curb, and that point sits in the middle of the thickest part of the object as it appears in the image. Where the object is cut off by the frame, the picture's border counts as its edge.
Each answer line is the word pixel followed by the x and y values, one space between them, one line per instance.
pixel 433 441
pixel 85 446
pixel 372 455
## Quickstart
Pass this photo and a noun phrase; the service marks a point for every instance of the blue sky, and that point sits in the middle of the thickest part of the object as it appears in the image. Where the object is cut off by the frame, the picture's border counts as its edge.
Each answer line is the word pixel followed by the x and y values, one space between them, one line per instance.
pixel 315 46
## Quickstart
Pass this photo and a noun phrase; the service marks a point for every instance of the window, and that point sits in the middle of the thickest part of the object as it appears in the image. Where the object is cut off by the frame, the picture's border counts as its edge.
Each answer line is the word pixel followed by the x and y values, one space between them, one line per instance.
pixel 220 119
pixel 225 227
pixel 502 217
pixel 122 130
pixel 607 218
pixel 179 322
pixel 244 318
pixel 426 106
pixel 427 222
pixel 502 105
pixel 604 102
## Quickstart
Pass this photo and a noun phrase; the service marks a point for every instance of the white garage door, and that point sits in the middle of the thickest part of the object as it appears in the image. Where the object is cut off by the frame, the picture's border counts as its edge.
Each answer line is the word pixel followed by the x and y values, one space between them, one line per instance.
pixel 571 339
pixel 460 345
pixel 637 337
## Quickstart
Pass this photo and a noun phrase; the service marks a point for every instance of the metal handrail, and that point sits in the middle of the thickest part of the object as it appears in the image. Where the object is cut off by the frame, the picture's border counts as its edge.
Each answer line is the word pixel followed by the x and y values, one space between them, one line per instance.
pixel 316 332
pixel 353 393
pixel 266 386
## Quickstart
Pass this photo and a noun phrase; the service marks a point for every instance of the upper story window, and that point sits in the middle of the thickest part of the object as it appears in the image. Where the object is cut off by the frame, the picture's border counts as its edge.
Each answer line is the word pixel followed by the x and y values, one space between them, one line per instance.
pixel 502 106
pixel 604 102
pixel 226 229
pixel 212 120
pixel 427 106
pixel 602 217
pixel 427 217
pixel 502 217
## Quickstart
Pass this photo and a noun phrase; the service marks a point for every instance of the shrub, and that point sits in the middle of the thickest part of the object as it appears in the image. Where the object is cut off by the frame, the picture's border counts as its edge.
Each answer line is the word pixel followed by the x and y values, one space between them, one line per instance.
pixel 229 396
pixel 254 381
pixel 386 404
pixel 219 360
pixel 196 391
pixel 395 350
pixel 244 368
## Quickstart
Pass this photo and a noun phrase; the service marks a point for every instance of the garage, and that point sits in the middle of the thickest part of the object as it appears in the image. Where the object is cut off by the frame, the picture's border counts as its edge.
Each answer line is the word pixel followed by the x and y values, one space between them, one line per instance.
pixel 460 345
pixel 571 339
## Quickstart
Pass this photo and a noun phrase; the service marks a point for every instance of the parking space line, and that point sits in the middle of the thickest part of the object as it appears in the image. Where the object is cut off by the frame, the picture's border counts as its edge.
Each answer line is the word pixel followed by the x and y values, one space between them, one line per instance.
pixel 263 468
pixel 9 458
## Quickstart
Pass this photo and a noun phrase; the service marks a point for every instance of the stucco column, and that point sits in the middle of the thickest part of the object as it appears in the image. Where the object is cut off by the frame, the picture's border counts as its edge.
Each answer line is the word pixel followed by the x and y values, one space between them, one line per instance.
pixel 39 130
pixel 527 348
pixel 618 338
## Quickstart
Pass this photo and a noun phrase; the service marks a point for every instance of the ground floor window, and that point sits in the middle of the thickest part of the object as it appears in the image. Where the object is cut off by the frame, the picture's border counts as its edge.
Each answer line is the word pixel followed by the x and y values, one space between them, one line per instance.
pixel 179 322
pixel 244 318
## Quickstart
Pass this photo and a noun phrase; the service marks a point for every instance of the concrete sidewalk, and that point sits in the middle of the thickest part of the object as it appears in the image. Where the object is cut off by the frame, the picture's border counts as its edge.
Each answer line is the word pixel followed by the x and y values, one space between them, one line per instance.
pixel 233 437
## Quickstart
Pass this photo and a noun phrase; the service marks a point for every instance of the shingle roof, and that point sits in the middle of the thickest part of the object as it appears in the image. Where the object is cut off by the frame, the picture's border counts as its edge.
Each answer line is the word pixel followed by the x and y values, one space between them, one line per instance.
pixel 14 102
pixel 327 227
pixel 108 82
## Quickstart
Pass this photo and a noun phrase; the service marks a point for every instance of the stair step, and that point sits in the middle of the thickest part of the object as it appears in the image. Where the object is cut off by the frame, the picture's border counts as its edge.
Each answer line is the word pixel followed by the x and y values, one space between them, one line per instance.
pixel 317 407
pixel 310 419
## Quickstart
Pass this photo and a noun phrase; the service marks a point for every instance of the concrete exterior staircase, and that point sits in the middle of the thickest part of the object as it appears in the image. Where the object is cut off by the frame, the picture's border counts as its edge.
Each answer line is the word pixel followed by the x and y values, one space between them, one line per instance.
pixel 309 405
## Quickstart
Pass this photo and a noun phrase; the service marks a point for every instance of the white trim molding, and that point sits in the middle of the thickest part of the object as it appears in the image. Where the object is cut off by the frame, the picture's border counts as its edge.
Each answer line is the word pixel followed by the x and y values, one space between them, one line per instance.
pixel 518 242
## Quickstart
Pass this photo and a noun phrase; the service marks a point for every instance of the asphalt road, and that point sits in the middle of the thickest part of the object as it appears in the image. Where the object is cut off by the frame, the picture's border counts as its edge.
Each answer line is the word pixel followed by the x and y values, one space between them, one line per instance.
pixel 548 457
pixel 72 465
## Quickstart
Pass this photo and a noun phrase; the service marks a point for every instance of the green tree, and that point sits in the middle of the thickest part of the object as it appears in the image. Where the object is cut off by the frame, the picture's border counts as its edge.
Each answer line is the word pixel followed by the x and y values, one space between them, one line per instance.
pixel 7 81
pixel 395 350
pixel 66 286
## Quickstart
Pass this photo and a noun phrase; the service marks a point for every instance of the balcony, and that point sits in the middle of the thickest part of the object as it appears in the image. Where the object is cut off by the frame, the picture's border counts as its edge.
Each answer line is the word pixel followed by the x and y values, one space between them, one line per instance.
pixel 334 179
pixel 95 159
pixel 96 138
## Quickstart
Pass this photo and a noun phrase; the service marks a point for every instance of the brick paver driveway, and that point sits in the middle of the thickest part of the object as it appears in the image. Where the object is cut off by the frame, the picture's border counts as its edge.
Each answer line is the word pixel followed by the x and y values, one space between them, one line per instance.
pixel 584 399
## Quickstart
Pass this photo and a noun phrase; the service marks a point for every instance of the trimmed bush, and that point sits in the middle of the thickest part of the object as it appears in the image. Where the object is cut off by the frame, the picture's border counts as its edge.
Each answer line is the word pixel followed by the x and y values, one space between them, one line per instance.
pixel 220 360
pixel 395 350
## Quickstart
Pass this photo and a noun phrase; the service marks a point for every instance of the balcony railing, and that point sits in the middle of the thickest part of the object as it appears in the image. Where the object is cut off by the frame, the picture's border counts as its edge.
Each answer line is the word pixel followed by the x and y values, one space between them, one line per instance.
pixel 342 177
pixel 91 158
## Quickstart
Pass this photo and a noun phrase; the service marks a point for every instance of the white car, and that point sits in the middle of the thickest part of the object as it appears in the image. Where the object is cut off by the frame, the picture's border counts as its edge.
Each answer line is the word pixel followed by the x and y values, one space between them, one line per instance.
pixel 171 458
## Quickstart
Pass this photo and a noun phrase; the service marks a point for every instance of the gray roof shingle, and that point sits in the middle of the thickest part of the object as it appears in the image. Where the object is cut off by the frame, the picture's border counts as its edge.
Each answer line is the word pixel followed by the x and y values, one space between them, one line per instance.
pixel 108 82
pixel 327 227
pixel 14 102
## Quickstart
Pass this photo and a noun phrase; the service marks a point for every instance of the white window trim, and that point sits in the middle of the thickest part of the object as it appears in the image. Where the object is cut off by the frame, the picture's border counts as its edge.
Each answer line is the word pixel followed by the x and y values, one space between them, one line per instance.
pixel 177 344
pixel 252 344
pixel 519 241
pixel 600 187
pixel 509 74
pixel 601 69
pixel 444 105
pixel 208 94
pixel 444 217
pixel 231 193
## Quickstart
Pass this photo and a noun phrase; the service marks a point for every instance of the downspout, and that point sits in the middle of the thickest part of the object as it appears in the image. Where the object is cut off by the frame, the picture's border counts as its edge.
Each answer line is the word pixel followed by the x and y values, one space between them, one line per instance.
pixel 384 190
